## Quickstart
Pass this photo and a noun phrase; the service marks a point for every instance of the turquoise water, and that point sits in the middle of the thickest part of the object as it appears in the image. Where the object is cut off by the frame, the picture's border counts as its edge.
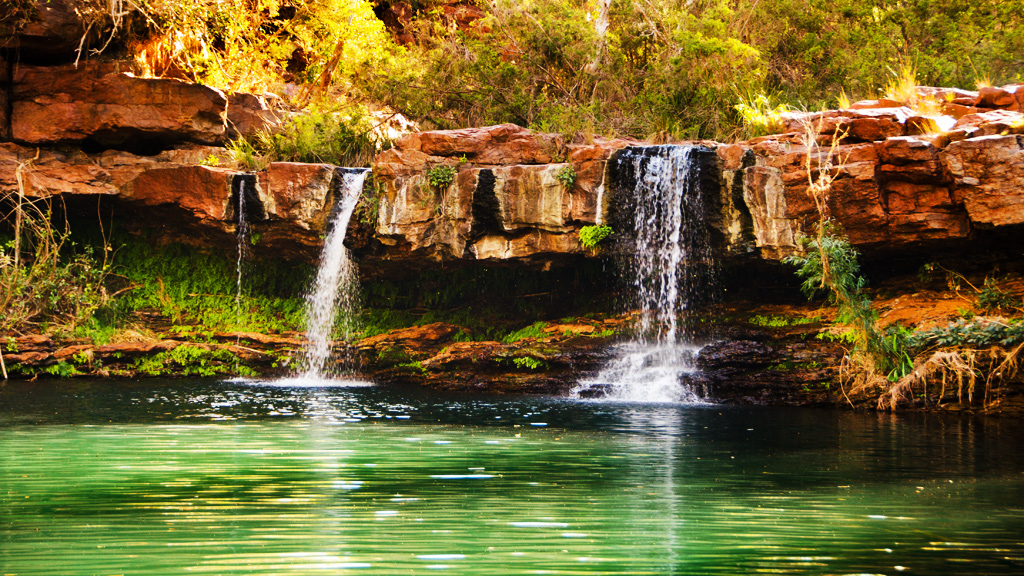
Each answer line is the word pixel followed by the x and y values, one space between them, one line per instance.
pixel 231 478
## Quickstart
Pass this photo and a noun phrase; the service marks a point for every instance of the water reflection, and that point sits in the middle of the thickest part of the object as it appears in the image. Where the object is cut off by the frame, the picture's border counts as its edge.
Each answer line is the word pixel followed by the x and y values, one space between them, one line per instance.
pixel 238 479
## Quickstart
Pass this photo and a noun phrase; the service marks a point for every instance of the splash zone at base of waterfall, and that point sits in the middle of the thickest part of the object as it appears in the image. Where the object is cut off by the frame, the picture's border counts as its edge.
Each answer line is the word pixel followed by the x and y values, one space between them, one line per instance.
pixel 333 299
pixel 665 256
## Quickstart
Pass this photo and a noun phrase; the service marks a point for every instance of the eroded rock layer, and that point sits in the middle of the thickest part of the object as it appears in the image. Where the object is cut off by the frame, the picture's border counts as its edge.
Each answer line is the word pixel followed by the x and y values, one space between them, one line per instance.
pixel 504 194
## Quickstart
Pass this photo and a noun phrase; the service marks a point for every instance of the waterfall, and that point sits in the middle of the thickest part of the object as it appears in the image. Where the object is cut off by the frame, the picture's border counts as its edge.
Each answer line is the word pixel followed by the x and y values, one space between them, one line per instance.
pixel 664 254
pixel 335 292
pixel 243 237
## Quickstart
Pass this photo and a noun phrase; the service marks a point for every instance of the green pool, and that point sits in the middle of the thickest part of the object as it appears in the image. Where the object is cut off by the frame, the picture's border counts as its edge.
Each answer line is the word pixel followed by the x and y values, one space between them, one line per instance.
pixel 200 477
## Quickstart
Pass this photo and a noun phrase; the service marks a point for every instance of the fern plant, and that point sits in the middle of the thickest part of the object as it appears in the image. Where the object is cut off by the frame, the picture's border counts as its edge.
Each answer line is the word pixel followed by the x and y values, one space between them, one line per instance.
pixel 592 236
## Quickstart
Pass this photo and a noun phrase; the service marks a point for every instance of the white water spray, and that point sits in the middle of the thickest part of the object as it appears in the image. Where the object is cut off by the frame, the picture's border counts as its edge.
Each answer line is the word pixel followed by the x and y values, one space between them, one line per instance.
pixel 335 291
pixel 667 259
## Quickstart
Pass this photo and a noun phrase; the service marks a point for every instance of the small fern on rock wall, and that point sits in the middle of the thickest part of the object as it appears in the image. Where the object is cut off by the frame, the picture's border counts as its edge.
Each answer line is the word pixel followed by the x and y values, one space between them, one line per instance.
pixel 592 236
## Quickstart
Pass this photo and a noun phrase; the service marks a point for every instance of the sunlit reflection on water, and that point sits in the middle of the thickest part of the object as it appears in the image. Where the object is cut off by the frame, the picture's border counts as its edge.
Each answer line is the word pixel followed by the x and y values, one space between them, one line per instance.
pixel 221 478
pixel 305 382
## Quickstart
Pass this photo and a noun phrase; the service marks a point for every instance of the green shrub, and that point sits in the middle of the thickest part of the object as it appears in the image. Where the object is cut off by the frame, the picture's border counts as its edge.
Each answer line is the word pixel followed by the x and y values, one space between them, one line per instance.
pixel 992 297
pixel 566 175
pixel 759 117
pixel 343 137
pixel 978 333
pixel 44 275
pixel 529 363
pixel 592 236
pixel 778 321
pixel 441 177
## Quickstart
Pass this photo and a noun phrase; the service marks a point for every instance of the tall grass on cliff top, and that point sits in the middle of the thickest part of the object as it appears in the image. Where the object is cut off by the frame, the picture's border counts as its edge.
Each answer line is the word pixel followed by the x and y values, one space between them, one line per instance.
pixel 327 133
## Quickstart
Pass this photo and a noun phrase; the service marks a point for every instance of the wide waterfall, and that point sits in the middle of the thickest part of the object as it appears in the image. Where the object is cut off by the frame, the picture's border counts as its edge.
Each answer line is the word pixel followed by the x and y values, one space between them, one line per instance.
pixel 334 295
pixel 665 257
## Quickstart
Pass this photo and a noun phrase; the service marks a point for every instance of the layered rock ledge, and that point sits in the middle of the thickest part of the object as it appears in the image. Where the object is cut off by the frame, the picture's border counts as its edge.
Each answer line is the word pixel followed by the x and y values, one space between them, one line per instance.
pixel 902 180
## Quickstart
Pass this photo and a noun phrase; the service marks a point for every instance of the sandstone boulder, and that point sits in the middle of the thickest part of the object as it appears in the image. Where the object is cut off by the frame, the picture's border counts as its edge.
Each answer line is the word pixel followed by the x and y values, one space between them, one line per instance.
pixel 492 145
pixel 989 178
pixel 204 191
pixel 296 192
pixel 1006 97
pixel 248 114
pixel 98 103
pixel 47 172
pixel 993 122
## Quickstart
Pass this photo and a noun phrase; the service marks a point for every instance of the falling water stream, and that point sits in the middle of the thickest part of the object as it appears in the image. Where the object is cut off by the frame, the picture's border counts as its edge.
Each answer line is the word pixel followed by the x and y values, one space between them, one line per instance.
pixel 243 238
pixel 666 259
pixel 335 292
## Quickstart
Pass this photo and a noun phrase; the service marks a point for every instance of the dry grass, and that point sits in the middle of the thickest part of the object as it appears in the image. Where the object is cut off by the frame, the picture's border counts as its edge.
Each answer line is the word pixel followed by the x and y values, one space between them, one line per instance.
pixel 843 101
pixel 903 87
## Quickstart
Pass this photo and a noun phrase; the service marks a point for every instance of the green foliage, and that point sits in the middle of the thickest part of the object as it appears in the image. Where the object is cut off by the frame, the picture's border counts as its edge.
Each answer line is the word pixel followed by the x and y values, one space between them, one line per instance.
pixel 829 264
pixel 191 360
pixel 535 330
pixel 245 153
pixel 778 321
pixel 441 177
pixel 844 336
pixel 592 236
pixel 759 117
pixel 529 363
pixel 566 175
pixel 343 137
pixel 192 286
pixel 44 275
pixel 992 297
pixel 679 70
pixel 96 330
pixel 62 370
pixel 367 210
pixel 978 333
pixel 415 367
pixel 255 46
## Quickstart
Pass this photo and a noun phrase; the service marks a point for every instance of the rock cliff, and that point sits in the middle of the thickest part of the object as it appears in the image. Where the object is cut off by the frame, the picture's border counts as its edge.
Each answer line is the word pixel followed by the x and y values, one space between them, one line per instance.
pixel 902 180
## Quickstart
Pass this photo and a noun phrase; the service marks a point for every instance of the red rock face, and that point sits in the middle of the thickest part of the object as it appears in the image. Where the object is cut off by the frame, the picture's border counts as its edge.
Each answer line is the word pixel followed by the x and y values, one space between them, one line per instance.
pixel 97 102
pixel 248 114
pixel 892 190
pixel 297 192
pixel 505 144
pixel 203 190
pixel 989 178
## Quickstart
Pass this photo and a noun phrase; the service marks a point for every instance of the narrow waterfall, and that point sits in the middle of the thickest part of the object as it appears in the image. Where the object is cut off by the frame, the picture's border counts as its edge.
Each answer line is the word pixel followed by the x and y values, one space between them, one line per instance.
pixel 335 292
pixel 243 241
pixel 665 257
